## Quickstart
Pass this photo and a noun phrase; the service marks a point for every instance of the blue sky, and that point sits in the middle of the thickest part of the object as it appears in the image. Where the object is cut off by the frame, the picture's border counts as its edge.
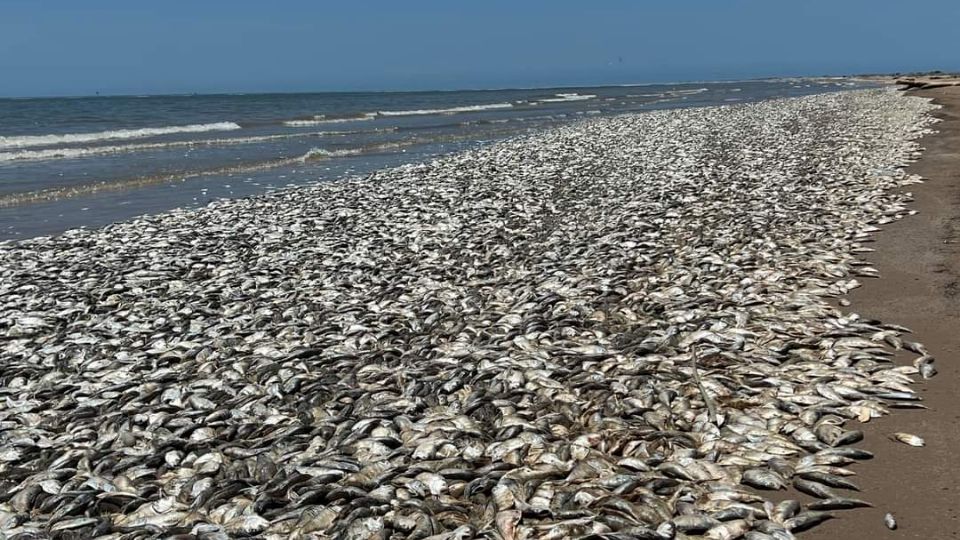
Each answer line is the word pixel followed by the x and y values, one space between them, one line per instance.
pixel 70 47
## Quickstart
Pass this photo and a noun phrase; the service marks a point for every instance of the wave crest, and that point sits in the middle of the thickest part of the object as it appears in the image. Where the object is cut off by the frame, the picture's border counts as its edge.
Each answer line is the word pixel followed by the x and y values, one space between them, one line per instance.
pixel 30 141
pixel 321 119
pixel 563 98
pixel 71 153
pixel 451 110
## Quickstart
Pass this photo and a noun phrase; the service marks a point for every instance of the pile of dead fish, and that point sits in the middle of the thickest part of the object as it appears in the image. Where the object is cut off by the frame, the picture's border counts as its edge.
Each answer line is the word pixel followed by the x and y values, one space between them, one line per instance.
pixel 622 328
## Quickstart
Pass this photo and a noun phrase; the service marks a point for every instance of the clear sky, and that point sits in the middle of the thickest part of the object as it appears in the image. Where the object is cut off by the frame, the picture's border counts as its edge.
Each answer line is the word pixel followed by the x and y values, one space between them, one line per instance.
pixel 73 47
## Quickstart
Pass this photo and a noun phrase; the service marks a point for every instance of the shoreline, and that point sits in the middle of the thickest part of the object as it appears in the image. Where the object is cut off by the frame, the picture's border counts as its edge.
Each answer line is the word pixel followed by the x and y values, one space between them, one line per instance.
pixel 919 262
pixel 75 174
pixel 524 332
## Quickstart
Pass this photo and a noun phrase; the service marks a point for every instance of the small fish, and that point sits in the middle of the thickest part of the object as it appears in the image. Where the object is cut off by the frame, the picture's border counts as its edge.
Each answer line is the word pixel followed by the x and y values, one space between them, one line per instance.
pixel 75 523
pixel 507 523
pixel 915 347
pixel 807 520
pixel 762 479
pixel 840 503
pixel 907 438
pixel 247 525
pixel 849 452
pixel 831 480
pixel 785 510
pixel 924 365
pixel 848 437
pixel 814 488
pixel 728 530
pixel 695 523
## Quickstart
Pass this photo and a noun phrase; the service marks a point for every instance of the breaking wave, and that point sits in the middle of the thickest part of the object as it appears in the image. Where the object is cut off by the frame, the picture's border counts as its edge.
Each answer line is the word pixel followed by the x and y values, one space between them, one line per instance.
pixel 30 141
pixel 316 154
pixel 451 110
pixel 562 98
pixel 321 119
pixel 68 153
pixel 690 91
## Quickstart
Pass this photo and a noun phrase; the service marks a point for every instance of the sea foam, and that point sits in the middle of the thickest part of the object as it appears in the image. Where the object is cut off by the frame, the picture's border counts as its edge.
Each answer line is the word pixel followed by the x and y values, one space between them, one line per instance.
pixel 561 98
pixel 68 153
pixel 30 141
pixel 321 119
pixel 320 153
pixel 690 91
pixel 451 110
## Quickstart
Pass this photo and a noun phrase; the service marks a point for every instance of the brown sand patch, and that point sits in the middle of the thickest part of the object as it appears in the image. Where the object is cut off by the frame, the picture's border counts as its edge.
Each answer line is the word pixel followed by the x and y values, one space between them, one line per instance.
pixel 919 260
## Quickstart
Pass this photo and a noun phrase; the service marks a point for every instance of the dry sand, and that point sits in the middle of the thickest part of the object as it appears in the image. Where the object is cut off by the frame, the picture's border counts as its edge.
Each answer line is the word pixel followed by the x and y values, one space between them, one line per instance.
pixel 919 260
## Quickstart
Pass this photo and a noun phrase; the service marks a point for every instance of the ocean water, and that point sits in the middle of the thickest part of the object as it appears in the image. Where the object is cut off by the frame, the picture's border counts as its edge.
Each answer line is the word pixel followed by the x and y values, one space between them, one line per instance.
pixel 86 162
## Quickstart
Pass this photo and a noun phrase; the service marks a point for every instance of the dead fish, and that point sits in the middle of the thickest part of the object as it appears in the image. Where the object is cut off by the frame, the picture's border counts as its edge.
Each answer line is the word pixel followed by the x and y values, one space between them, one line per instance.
pixel 507 523
pixel 848 452
pixel 728 531
pixel 814 488
pixel 612 329
pixel 246 525
pixel 907 438
pixel 928 371
pixel 828 479
pixel 763 479
pixel 841 503
pixel 75 523
pixel 694 523
pixel 807 520
pixel 784 510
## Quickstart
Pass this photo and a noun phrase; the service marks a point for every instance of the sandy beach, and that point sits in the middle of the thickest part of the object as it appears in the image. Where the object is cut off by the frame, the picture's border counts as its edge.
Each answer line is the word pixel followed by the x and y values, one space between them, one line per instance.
pixel 622 328
pixel 479 271
pixel 919 263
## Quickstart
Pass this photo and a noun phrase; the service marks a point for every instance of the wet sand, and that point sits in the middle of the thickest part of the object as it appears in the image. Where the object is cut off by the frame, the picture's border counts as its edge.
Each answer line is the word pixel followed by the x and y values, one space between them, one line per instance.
pixel 919 260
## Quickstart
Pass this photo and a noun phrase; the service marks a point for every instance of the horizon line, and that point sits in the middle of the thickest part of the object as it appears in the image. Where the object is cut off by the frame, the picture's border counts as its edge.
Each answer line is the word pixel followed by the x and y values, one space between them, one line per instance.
pixel 438 90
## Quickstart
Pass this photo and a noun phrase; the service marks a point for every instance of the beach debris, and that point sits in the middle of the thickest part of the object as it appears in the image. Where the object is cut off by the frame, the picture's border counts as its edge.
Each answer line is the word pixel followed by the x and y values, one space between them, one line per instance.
pixel 615 329
pixel 890 521
pixel 840 503
pixel 908 438
pixel 807 520
pixel 924 365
